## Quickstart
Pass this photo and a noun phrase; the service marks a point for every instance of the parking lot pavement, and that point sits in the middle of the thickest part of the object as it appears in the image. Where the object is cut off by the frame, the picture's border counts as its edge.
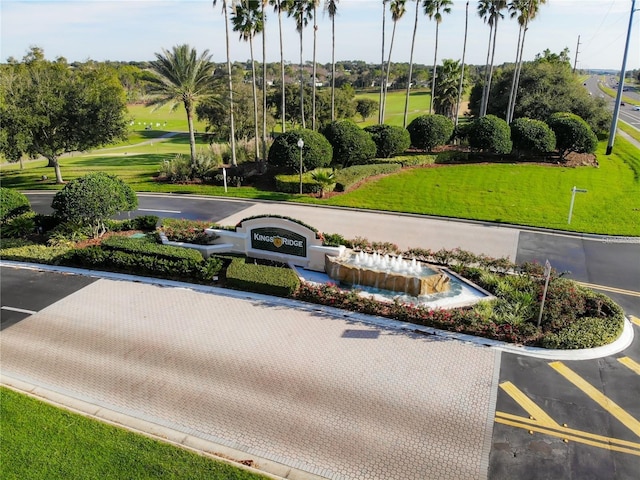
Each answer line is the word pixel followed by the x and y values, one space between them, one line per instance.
pixel 327 395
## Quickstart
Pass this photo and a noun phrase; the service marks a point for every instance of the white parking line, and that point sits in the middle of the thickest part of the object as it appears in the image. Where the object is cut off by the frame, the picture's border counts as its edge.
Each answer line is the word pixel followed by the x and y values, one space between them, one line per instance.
pixel 161 211
pixel 16 309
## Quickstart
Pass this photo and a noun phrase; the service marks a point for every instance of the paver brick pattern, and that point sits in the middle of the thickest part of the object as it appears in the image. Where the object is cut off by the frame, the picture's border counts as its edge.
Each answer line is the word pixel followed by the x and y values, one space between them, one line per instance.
pixel 293 385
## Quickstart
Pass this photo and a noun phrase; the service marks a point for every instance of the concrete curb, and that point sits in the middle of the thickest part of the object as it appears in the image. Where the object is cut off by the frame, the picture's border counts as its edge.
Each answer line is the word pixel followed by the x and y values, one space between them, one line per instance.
pixel 210 449
pixel 625 339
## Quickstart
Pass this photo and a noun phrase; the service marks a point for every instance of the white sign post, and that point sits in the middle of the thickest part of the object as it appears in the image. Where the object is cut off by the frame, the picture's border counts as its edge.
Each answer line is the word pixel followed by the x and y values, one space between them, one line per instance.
pixel 547 274
pixel 573 197
pixel 224 179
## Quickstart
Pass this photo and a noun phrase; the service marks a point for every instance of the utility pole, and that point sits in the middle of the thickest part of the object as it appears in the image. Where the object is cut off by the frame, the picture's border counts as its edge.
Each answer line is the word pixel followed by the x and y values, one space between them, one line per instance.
pixel 616 109
pixel 575 62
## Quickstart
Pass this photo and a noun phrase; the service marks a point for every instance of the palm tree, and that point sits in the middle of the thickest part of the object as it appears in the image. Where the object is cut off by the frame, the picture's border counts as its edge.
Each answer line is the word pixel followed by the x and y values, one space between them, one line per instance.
pixel 331 6
pixel 183 76
pixel 464 52
pixel 491 12
pixel 384 17
pixel 313 75
pixel 300 11
pixel 446 93
pixel 263 20
pixel 324 179
pixel 397 8
pixel 232 128
pixel 246 19
pixel 527 9
pixel 413 42
pixel 433 9
pixel 279 6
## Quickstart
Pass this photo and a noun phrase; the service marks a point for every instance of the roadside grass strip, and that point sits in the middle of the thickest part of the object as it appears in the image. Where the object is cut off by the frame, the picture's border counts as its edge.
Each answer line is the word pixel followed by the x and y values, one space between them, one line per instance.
pixel 539 421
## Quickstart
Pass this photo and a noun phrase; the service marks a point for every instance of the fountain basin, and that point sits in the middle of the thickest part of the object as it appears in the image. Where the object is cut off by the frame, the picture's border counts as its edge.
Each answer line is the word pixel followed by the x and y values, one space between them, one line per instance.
pixel 386 273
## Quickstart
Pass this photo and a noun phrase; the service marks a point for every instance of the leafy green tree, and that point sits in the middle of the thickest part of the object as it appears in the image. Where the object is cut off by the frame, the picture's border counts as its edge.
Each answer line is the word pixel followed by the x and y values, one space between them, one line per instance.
pixel 573 134
pixel 285 153
pixel 49 109
pixel 430 131
pixel 546 86
pixel 532 136
pixel 216 113
pixel 366 107
pixel 183 77
pixel 490 134
pixel 351 145
pixel 93 199
pixel 390 140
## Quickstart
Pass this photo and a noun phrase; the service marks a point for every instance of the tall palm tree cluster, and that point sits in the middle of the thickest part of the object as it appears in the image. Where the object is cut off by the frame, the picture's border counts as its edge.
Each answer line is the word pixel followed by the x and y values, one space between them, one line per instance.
pixel 184 76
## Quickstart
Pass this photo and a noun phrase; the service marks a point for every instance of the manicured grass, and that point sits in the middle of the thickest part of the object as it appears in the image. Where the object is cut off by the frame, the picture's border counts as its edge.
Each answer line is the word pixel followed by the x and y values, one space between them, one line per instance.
pixel 535 195
pixel 394 109
pixel 41 441
pixel 629 130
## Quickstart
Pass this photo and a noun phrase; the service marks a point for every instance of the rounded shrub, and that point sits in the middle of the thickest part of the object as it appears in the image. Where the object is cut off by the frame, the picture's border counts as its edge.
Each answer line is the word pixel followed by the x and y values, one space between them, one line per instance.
pixel 92 199
pixel 12 203
pixel 573 134
pixel 490 134
pixel 390 140
pixel 285 153
pixel 351 144
pixel 430 131
pixel 532 136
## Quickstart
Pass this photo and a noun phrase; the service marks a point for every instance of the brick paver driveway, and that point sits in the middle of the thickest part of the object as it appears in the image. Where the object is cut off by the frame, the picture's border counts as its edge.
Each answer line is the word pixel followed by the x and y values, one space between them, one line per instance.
pixel 325 394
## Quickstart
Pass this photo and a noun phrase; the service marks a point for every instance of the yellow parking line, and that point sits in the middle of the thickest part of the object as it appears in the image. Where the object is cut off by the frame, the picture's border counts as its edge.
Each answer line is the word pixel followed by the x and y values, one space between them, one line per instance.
pixel 611 289
pixel 635 320
pixel 530 407
pixel 598 397
pixel 568 436
pixel 629 363
pixel 569 431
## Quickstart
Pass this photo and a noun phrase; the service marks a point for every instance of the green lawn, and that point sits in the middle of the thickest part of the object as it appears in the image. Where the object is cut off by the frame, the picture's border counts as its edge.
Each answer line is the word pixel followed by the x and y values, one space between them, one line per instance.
pixel 40 441
pixel 394 111
pixel 535 195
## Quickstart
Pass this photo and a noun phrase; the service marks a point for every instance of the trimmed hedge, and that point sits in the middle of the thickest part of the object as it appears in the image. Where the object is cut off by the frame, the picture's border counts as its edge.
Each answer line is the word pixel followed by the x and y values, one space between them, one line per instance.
pixel 145 246
pixel 279 281
pixel 390 140
pixel 12 203
pixel 430 131
pixel 316 153
pixel 490 134
pixel 410 160
pixel 33 253
pixel 348 177
pixel 351 144
pixel 291 183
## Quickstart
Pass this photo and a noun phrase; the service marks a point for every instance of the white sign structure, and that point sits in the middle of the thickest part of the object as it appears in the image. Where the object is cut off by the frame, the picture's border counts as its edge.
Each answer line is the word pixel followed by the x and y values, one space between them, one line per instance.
pixel 573 197
pixel 547 274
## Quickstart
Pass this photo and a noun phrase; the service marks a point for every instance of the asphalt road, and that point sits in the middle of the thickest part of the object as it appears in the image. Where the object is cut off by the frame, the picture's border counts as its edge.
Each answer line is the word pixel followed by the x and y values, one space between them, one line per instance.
pixel 627 113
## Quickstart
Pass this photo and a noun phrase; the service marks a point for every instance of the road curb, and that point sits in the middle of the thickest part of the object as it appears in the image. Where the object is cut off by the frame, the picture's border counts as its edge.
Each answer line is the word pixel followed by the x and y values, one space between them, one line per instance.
pixel 623 341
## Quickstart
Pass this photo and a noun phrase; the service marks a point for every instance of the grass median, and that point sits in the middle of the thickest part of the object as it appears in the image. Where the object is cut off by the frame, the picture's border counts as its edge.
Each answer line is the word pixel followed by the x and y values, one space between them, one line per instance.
pixel 42 441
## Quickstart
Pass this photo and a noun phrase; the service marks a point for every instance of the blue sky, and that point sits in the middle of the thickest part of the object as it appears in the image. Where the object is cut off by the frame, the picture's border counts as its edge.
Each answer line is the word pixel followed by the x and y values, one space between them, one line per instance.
pixel 135 29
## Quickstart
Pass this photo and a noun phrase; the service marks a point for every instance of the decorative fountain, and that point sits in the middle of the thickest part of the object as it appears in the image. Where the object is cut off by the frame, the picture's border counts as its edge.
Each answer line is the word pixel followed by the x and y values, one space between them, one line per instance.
pixel 387 273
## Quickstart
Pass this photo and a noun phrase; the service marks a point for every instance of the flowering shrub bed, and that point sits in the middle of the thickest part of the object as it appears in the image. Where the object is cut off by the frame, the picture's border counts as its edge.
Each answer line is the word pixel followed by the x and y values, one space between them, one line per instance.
pixel 188 231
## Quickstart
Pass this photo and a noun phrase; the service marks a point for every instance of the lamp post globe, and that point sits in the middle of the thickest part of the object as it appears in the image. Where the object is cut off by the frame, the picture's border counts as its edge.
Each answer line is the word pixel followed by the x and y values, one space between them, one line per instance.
pixel 300 146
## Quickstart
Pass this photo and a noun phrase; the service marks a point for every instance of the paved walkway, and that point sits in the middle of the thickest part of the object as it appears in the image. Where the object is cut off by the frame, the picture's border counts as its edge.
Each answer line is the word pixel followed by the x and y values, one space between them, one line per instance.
pixel 282 385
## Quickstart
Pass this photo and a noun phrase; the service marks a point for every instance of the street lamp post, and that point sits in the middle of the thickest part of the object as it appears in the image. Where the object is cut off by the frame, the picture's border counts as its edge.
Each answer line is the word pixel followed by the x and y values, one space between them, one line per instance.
pixel 300 146
pixel 616 108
